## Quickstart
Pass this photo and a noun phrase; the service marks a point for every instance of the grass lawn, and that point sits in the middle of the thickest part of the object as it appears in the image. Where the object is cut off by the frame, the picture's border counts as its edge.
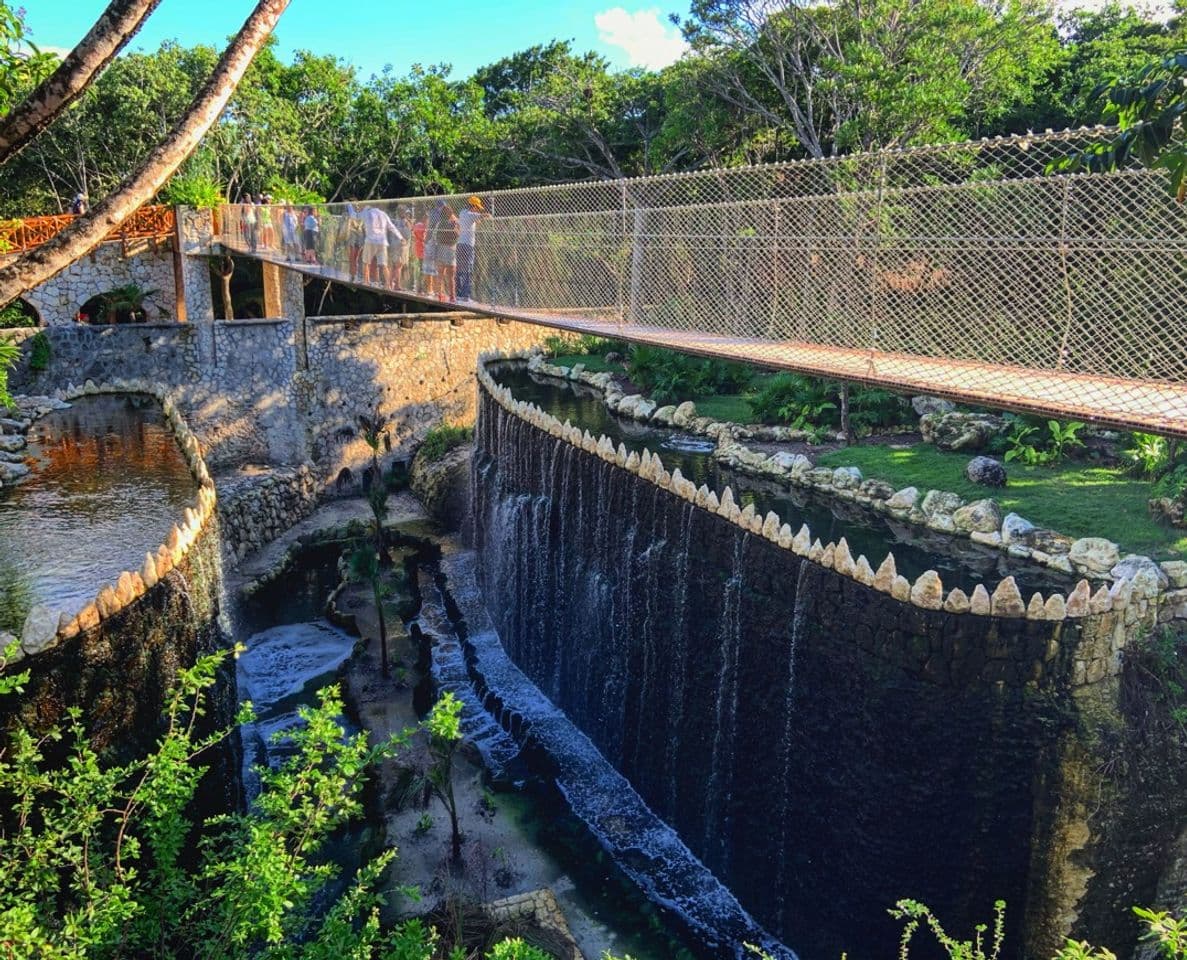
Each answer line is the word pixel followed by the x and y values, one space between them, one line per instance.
pixel 593 362
pixel 726 406
pixel 1074 498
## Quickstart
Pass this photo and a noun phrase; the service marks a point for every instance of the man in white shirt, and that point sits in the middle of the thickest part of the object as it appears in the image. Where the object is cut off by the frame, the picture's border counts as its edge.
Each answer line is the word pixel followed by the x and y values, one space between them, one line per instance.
pixel 467 231
pixel 376 226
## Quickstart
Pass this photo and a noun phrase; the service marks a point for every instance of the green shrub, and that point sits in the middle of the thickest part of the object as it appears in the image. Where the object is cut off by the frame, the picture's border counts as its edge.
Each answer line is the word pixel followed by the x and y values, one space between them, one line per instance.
pixel 1150 455
pixel 1028 443
pixel 17 314
pixel 808 403
pixel 669 376
pixel 1172 484
pixel 440 440
pixel 585 345
pixel 516 949
pixel 193 190
pixel 8 356
pixel 39 351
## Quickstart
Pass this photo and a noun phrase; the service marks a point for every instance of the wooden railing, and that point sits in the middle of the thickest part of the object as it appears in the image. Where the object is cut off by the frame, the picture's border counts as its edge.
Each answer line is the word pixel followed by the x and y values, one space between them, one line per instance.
pixel 29 232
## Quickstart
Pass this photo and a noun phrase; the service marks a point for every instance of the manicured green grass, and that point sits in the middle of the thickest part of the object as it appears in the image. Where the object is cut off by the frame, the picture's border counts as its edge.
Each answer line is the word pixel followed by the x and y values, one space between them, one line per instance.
pixel 727 406
pixel 593 362
pixel 1074 498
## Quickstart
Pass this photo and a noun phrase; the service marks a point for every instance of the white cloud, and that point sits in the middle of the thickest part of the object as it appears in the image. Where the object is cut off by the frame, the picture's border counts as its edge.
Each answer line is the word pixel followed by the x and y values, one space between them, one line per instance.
pixel 648 39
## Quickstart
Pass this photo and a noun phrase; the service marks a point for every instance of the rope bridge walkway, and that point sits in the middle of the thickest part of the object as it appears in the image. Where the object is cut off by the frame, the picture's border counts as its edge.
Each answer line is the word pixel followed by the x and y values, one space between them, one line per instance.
pixel 970 270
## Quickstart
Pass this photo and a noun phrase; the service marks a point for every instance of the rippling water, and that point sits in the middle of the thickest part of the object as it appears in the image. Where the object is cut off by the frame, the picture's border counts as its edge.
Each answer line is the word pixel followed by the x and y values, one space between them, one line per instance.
pixel 108 482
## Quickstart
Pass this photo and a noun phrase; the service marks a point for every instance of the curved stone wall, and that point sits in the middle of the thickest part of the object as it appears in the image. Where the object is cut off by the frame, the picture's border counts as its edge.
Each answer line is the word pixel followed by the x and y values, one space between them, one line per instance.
pixel 827 737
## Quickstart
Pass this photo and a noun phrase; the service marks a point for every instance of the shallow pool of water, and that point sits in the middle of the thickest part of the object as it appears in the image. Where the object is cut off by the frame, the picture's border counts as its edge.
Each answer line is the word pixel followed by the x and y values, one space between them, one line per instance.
pixel 108 482
pixel 960 562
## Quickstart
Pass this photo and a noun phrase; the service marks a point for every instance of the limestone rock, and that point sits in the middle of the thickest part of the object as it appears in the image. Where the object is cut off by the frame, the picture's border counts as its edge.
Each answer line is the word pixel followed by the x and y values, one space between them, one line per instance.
pixel 1015 529
pixel 983 516
pixel 40 629
pixel 846 478
pixel 684 414
pixel 1094 555
pixel 843 559
pixel 1055 608
pixel 923 405
pixel 940 502
pixel 1078 600
pixel 986 471
pixel 664 414
pixel 884 577
pixel 905 499
pixel 863 572
pixel 792 462
pixel 980 602
pixel 1034 609
pixel 1130 566
pixel 1048 541
pixel 877 489
pixel 928 591
pixel 770 525
pixel 802 542
pixel 900 589
pixel 960 431
pixel 957 601
pixel 1176 573
pixel 1007 600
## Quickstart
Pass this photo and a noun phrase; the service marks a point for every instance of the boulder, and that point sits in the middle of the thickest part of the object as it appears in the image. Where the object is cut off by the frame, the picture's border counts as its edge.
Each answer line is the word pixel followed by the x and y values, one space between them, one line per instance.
pixel 664 414
pixel 983 516
pixel 1048 541
pixel 1094 555
pixel 877 489
pixel 13 443
pixel 11 472
pixel 1172 510
pixel 1131 565
pixel 986 471
pixel 846 478
pixel 924 405
pixel 960 431
pixel 613 357
pixel 940 502
pixel 685 414
pixel 1016 529
pixel 905 499
pixel 793 462
pixel 40 629
pixel 1176 571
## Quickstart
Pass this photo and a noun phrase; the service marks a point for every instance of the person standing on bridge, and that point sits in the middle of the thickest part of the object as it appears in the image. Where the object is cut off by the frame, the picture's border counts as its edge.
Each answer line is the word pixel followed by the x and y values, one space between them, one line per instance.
pixel 376 227
pixel 312 234
pixel 288 233
pixel 447 237
pixel 467 230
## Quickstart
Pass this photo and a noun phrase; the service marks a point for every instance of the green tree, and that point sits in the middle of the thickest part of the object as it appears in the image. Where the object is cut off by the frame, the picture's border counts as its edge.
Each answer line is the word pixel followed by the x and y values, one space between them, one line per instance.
pixel 366 562
pixel 444 726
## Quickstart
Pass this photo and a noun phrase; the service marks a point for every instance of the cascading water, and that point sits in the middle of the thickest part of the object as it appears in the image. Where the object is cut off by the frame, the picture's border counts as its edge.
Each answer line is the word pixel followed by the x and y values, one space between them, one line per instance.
pixel 823 749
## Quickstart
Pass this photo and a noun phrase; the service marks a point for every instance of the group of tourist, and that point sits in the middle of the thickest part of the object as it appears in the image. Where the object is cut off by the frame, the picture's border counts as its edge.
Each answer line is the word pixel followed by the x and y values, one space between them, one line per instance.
pixel 432 254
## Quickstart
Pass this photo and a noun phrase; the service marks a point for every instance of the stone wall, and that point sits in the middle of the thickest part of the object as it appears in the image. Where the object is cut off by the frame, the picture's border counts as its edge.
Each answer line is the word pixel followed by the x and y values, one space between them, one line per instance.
pixel 825 741
pixel 255 508
pixel 146 263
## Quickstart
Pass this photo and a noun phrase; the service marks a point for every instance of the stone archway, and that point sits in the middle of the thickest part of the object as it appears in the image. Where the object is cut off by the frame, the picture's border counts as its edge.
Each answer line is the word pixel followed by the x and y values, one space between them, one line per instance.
pixel 20 313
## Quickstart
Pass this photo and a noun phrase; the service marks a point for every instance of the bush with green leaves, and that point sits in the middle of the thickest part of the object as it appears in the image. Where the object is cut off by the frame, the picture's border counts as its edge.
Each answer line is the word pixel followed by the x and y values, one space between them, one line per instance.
pixel 8 357
pixel 668 376
pixel 1029 443
pixel 440 440
pixel 814 405
pixel 193 190
pixel 17 314
pixel 40 352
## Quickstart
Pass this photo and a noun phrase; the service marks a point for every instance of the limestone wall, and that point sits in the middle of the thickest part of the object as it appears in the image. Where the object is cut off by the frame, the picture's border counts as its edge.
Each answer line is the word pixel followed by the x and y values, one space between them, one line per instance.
pixel 147 263
pixel 255 509
pixel 825 736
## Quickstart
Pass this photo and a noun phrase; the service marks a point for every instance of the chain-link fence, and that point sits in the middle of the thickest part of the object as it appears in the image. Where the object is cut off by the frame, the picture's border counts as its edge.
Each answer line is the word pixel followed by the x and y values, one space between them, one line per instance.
pixel 969 270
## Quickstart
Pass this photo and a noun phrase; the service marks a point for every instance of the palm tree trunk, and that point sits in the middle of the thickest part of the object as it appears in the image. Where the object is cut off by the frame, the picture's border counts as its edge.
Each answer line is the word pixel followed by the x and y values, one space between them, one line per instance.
pixel 383 667
pixel 114 28
pixel 87 232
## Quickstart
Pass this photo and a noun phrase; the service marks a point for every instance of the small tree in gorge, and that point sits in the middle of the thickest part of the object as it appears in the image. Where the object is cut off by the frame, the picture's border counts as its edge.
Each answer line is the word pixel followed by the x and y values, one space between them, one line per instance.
pixel 444 725
pixel 366 563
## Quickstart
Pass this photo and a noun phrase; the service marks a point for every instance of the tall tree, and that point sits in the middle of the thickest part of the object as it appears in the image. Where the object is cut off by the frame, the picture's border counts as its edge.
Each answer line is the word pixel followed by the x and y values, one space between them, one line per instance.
pixel 864 74
pixel 114 28
pixel 34 266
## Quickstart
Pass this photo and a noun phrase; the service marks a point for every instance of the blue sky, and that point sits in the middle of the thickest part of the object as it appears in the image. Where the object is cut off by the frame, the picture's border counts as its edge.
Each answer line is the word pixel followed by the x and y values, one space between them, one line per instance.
pixel 372 33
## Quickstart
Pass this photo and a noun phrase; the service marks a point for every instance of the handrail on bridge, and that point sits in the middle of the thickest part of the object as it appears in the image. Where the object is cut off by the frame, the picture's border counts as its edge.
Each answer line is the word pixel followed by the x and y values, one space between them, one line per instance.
pixel 26 233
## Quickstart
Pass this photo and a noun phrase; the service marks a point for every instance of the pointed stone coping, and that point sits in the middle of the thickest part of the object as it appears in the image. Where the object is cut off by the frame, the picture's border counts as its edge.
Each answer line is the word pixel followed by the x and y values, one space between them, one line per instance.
pixel 131 585
pixel 927 592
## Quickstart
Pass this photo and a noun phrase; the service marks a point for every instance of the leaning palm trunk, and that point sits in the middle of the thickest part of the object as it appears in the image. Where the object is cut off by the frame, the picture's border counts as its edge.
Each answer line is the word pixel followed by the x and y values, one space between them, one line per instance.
pixel 117 25
pixel 88 232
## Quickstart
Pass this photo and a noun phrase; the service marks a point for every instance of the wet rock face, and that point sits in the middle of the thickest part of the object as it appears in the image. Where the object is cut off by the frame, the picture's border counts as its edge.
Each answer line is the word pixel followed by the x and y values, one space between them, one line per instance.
pixel 822 747
pixel 443 485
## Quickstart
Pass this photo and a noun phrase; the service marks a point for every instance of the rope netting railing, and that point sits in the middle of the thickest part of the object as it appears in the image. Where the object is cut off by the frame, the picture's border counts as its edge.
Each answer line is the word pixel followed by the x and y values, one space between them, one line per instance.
pixel 969 270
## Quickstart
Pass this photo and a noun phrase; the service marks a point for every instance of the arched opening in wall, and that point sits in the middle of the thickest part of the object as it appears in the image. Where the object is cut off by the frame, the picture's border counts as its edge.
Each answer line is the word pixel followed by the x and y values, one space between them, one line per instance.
pixel 20 313
pixel 325 298
pixel 236 288
pixel 129 303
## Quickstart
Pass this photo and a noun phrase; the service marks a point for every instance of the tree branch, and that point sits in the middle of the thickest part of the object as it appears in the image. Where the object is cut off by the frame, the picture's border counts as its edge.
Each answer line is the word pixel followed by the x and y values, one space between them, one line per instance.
pixel 114 28
pixel 88 232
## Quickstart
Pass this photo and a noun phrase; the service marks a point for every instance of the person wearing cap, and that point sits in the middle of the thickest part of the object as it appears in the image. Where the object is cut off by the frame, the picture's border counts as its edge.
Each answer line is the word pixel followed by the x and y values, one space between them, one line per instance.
pixel 79 205
pixel 467 230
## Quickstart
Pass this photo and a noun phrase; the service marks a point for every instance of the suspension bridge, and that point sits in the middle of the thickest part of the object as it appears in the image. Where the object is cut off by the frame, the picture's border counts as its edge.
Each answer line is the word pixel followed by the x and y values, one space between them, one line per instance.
pixel 974 271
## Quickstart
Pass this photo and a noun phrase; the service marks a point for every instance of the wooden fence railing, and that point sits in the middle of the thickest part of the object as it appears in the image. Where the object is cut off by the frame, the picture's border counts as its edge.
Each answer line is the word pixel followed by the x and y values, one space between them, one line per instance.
pixel 28 232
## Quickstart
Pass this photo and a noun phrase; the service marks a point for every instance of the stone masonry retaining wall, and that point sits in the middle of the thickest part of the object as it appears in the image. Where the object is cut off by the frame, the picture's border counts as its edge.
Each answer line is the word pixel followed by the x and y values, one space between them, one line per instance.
pixel 254 509
pixel 146 263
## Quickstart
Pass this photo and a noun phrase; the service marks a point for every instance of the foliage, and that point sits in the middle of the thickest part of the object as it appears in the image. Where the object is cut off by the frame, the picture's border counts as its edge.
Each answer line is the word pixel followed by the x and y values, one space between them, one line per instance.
pixel 123 304
pixel 917 915
pixel 670 377
pixel 1172 484
pixel 1028 445
pixel 1163 929
pixel 17 314
pixel 440 440
pixel 40 351
pixel 585 345
pixel 814 405
pixel 1150 455
pixel 1149 109
pixel 366 560
pixel 195 189
pixel 21 64
pixel 1160 659
pixel 515 949
pixel 1077 498
pixel 9 352
pixel 444 726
